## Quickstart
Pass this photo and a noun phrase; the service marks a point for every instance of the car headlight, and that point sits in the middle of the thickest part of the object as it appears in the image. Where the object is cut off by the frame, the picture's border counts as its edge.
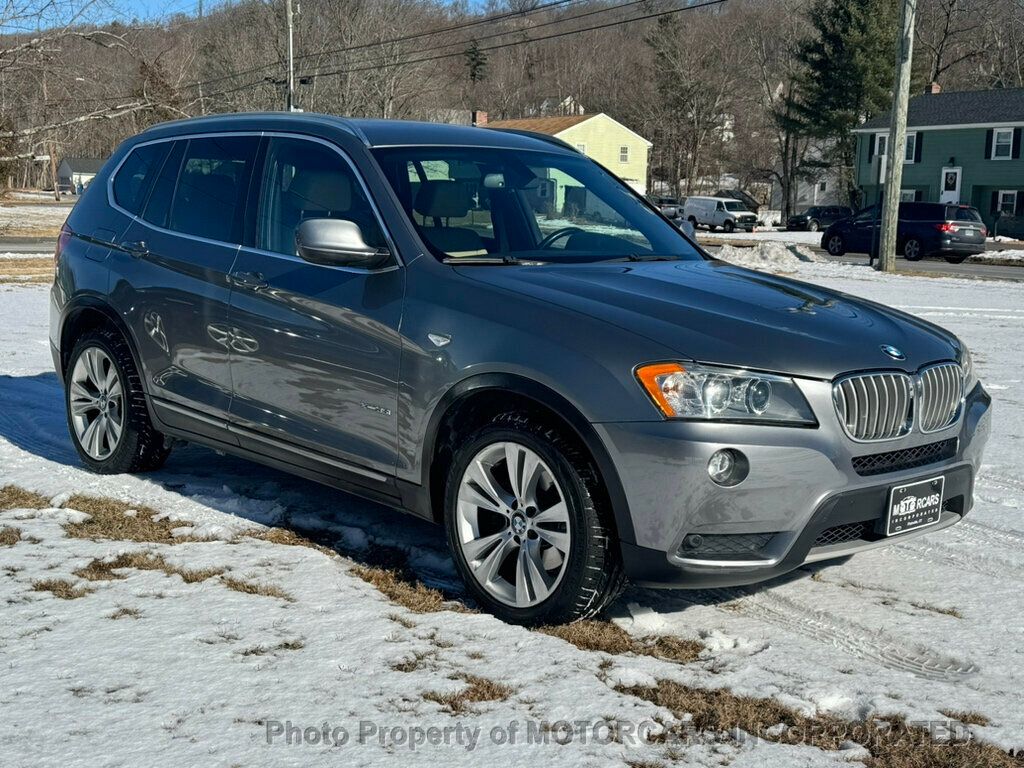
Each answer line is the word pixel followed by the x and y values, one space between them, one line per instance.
pixel 967 365
pixel 694 391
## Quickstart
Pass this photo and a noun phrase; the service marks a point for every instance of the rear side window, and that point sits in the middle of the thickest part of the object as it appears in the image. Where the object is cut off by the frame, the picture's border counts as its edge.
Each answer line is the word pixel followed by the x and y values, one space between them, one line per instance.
pixel 957 213
pixel 136 175
pixel 158 207
pixel 212 186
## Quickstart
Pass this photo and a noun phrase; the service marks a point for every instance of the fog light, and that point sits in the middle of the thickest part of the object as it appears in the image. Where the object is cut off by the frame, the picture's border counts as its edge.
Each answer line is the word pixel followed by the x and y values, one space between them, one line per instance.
pixel 728 467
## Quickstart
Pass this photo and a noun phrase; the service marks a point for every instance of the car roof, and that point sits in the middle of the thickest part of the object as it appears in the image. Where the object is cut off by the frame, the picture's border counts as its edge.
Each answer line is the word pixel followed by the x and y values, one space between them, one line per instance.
pixel 372 133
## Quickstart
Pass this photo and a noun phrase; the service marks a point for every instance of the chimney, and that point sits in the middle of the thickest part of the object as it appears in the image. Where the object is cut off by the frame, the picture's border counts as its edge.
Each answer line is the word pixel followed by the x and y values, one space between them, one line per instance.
pixel 479 117
pixel 933 88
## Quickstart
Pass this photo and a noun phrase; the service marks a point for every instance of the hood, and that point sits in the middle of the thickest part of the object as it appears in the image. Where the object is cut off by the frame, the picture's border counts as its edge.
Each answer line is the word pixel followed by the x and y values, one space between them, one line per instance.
pixel 713 312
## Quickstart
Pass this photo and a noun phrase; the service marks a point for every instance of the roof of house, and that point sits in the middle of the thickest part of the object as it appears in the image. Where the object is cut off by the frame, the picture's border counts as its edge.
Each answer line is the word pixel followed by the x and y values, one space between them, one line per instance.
pixel 84 164
pixel 949 108
pixel 552 125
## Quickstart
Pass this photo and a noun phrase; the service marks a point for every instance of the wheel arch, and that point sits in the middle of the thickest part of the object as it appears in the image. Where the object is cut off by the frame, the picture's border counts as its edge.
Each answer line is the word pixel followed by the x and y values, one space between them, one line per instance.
pixel 472 401
pixel 85 313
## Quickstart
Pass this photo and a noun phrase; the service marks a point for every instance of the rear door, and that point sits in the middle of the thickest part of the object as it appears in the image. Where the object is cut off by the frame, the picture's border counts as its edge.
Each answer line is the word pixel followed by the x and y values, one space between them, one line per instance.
pixel 173 277
pixel 861 230
pixel 316 348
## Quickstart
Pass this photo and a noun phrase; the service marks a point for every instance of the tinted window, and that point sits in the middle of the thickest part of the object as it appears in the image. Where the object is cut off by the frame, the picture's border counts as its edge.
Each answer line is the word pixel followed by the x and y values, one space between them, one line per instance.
pixel 159 205
pixel 958 213
pixel 922 212
pixel 136 174
pixel 212 186
pixel 306 180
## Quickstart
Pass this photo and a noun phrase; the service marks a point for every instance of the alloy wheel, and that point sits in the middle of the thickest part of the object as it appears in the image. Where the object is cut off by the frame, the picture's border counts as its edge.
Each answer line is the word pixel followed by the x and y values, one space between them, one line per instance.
pixel 96 400
pixel 512 524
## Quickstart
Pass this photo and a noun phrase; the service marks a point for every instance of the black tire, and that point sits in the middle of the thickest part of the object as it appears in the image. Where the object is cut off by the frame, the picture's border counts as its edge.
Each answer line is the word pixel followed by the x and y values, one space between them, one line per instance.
pixel 813 225
pixel 729 225
pixel 835 245
pixel 693 220
pixel 593 576
pixel 913 250
pixel 141 447
pixel 960 259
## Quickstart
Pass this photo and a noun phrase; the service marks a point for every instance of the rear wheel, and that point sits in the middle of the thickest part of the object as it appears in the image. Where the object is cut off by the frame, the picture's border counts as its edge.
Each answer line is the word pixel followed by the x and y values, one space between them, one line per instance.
pixel 835 245
pixel 912 250
pixel 525 524
pixel 106 408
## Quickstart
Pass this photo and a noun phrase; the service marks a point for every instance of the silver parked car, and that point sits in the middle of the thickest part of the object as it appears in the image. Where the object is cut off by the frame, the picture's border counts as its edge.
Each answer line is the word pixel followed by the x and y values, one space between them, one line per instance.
pixel 488 330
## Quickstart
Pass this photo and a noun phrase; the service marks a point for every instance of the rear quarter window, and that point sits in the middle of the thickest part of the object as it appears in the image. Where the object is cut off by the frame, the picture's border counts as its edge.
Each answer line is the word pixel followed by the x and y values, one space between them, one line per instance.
pixel 134 178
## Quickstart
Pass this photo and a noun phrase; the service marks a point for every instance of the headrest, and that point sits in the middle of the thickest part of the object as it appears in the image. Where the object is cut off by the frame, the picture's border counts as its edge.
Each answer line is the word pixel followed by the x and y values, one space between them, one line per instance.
pixel 313 190
pixel 443 199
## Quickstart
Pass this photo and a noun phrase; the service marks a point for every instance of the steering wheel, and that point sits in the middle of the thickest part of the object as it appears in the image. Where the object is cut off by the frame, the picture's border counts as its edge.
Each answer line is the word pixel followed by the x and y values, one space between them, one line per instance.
pixel 556 235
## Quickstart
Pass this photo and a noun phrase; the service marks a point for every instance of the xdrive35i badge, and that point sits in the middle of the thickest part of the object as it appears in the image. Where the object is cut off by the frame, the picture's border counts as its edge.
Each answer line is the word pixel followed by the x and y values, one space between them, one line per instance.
pixel 893 352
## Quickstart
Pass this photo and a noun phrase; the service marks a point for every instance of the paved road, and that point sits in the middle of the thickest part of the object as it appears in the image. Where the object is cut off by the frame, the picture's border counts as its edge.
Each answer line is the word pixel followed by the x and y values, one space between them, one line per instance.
pixel 27 245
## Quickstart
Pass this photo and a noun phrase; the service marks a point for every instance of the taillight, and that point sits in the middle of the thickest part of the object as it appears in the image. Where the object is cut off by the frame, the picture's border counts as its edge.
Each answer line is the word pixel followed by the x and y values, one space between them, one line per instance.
pixel 984 231
pixel 947 227
pixel 62 240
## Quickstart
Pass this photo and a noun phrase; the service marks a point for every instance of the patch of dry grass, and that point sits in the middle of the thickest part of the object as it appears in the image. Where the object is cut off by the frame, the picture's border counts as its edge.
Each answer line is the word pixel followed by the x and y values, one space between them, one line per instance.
pixel 61 588
pixel 103 570
pixel 892 742
pixel 414 663
pixel 936 609
pixel 126 613
pixel 13 497
pixel 109 521
pixel 968 717
pixel 9 536
pixel 26 270
pixel 597 635
pixel 478 689
pixel 387 568
pixel 263 650
pixel 289 538
pixel 253 588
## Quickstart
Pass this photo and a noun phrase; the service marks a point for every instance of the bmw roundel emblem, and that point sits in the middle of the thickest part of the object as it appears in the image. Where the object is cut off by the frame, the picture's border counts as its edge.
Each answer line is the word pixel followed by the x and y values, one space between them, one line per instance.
pixel 893 352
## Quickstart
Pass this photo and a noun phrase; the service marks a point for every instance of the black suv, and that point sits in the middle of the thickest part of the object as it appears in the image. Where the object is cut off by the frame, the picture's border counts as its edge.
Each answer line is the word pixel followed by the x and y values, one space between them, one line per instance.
pixel 818 216
pixel 925 229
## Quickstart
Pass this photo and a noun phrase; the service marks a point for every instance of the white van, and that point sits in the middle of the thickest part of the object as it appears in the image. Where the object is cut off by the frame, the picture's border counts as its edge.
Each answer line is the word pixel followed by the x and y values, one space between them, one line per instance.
pixel 714 212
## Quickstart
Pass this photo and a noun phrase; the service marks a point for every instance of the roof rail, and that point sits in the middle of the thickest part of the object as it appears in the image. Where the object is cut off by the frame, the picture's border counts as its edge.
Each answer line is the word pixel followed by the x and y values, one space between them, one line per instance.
pixel 545 137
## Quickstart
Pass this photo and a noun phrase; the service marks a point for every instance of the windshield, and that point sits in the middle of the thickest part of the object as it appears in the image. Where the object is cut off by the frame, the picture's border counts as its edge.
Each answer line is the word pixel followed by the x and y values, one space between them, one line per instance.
pixel 734 205
pixel 478 202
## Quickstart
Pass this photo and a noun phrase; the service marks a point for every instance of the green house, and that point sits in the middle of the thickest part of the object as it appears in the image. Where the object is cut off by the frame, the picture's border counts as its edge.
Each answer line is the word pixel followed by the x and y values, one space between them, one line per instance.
pixel 962 147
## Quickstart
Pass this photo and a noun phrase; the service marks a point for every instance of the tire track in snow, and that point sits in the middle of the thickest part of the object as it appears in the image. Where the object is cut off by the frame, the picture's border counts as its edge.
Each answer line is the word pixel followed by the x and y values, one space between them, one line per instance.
pixel 857 640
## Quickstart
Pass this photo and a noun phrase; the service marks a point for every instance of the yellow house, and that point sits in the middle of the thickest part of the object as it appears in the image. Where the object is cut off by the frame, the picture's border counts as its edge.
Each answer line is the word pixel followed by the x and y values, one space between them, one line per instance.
pixel 606 140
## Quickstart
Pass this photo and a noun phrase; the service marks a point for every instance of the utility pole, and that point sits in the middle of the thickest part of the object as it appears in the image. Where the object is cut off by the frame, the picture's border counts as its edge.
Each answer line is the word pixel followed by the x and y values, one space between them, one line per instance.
pixel 290 100
pixel 897 144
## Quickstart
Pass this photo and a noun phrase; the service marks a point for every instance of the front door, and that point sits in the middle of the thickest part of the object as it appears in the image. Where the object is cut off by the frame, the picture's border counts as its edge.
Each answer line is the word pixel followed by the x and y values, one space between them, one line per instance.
pixel 949 185
pixel 174 275
pixel 317 348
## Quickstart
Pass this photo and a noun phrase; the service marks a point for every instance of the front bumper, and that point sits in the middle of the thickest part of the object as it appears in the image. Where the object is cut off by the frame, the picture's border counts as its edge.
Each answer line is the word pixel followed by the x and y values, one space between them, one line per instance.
pixel 802 487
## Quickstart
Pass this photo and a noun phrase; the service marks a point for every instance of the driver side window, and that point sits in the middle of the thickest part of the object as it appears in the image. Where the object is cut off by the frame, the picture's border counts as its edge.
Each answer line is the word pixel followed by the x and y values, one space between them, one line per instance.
pixel 307 180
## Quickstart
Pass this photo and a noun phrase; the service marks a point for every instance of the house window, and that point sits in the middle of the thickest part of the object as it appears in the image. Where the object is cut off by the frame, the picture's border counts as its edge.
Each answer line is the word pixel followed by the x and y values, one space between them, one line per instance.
pixel 822 186
pixel 907 195
pixel 881 141
pixel 581 148
pixel 1008 201
pixel 623 154
pixel 1002 143
pixel 910 151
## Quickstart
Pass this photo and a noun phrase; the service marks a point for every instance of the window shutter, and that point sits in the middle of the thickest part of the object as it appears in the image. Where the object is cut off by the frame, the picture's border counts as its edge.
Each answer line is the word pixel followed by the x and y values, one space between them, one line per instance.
pixel 1016 143
pixel 871 147
pixel 988 144
pixel 1020 201
pixel 995 202
pixel 918 140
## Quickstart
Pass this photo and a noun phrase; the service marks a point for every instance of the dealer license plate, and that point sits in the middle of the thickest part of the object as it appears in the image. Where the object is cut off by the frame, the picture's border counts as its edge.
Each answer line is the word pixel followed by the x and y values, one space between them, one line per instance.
pixel 914 506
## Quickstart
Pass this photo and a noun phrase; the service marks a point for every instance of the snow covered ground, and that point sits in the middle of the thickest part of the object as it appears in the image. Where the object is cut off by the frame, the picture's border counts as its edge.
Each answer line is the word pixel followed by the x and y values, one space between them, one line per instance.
pixel 154 669
pixel 37 219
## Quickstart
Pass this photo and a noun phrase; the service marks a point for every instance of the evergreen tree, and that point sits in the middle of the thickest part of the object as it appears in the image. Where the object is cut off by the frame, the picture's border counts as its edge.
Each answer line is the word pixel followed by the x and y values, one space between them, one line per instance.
pixel 848 73
pixel 476 63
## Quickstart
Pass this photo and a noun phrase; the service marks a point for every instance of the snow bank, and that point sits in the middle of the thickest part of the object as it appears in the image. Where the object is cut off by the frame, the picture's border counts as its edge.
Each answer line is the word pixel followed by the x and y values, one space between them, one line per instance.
pixel 769 255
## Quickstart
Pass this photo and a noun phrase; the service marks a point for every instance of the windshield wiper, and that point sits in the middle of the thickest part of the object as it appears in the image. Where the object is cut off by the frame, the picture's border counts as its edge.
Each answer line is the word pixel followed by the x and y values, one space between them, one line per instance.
pixel 491 260
pixel 643 257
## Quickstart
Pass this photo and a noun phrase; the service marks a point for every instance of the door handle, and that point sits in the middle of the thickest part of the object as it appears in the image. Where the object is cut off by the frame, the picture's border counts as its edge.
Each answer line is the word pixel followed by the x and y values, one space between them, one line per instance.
pixel 136 248
pixel 251 280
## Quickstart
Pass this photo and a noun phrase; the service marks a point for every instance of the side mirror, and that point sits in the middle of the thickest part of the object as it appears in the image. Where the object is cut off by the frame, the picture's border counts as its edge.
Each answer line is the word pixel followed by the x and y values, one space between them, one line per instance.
pixel 337 243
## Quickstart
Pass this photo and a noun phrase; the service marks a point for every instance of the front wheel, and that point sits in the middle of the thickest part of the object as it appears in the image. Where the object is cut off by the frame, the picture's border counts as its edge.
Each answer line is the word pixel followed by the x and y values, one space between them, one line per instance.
pixel 527 526
pixel 106 408
pixel 729 226
pixel 813 226
pixel 912 250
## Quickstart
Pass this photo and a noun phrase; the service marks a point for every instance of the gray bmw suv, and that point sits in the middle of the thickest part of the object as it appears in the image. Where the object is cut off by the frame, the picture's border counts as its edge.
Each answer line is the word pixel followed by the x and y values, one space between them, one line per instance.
pixel 488 330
